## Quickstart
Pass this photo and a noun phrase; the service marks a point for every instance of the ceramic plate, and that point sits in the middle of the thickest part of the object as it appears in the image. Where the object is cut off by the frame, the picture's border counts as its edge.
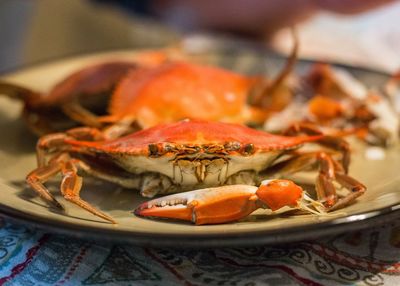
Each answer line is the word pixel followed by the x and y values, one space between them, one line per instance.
pixel 17 157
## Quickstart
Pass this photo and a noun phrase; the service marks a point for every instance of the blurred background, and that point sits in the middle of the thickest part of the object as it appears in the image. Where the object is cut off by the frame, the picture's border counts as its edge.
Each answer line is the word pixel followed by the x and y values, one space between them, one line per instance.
pixel 365 34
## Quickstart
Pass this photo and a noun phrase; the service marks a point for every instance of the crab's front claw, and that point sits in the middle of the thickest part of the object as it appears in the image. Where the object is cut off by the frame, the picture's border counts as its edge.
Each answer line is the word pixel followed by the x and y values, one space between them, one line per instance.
pixel 223 204
pixel 205 206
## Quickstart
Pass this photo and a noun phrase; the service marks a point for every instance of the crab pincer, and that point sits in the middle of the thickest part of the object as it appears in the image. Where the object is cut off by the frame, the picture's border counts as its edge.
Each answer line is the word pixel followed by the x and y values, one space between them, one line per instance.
pixel 228 203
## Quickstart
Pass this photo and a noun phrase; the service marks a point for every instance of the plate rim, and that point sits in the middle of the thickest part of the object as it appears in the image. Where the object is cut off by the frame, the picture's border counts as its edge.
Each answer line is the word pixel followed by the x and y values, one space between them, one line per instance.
pixel 353 222
pixel 272 236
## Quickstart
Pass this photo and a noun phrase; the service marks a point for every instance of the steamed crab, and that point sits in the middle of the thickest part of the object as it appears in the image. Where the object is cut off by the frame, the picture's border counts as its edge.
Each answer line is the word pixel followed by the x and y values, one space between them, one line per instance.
pixel 335 100
pixel 185 155
pixel 154 89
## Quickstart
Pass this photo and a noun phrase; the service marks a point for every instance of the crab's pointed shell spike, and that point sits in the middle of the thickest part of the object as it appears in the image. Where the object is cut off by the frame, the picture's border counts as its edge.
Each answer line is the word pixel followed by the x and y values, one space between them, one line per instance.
pixel 279 193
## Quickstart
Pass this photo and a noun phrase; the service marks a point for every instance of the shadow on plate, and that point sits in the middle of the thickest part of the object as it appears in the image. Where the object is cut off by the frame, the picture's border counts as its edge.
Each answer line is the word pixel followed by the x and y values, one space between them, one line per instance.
pixel 18 139
pixel 95 192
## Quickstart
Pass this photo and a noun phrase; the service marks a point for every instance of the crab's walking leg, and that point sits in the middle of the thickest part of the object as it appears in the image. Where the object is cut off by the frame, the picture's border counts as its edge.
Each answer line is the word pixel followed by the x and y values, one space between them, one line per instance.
pixel 37 177
pixel 71 186
pixel 332 142
pixel 357 189
pixel 329 171
pixel 337 143
pixel 120 127
pixel 56 141
pixel 86 134
pixel 46 144
pixel 37 121
pixel 302 127
pixel 272 89
pixel 96 80
pixel 82 115
pixel 18 92
pixel 326 191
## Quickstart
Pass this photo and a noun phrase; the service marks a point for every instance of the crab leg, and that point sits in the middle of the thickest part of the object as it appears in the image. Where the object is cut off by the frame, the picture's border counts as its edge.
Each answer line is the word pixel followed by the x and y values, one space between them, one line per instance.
pixel 223 204
pixel 56 141
pixel 357 189
pixel 120 127
pixel 333 142
pixel 302 127
pixel 271 92
pixel 18 92
pixel 37 177
pixel 80 114
pixel 70 186
pixel 329 171
pixel 341 145
pixel 37 121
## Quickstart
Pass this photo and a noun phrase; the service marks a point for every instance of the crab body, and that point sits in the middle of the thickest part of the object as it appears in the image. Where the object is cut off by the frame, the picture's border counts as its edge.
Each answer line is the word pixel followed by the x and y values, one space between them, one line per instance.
pixel 191 153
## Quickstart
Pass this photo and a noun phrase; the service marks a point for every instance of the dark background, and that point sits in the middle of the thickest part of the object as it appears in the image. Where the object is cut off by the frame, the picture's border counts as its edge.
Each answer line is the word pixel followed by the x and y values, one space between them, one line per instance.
pixel 38 30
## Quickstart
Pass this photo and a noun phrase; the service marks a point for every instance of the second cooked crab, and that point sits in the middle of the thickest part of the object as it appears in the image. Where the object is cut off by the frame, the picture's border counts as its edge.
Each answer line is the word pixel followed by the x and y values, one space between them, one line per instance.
pixel 151 88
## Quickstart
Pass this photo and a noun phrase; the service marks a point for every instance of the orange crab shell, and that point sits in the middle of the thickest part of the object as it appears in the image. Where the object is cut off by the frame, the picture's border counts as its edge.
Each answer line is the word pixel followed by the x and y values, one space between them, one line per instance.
pixel 179 90
pixel 325 108
pixel 97 78
pixel 196 136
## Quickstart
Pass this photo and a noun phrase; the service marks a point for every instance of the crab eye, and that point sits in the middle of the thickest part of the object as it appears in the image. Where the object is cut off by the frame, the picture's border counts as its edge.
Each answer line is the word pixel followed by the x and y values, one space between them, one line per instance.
pixel 153 150
pixel 248 149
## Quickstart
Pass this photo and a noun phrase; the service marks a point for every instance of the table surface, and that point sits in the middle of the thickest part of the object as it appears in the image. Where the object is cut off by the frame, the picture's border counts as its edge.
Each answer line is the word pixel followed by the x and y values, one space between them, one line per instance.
pixel 30 256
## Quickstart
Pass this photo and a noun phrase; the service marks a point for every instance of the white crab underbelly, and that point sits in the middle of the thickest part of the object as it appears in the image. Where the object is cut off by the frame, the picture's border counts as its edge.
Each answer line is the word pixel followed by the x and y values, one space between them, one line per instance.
pixel 205 169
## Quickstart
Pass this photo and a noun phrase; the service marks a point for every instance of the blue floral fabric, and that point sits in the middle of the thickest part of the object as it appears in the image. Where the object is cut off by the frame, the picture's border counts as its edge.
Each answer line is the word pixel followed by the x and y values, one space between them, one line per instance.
pixel 33 257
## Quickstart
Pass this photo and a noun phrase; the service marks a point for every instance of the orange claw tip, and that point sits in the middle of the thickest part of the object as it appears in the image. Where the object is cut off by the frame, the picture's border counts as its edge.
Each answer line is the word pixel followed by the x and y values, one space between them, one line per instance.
pixel 279 193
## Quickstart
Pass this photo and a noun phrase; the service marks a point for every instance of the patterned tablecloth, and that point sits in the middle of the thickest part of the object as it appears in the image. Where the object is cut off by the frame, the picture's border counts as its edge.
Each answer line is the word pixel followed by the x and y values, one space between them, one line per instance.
pixel 370 257
pixel 33 257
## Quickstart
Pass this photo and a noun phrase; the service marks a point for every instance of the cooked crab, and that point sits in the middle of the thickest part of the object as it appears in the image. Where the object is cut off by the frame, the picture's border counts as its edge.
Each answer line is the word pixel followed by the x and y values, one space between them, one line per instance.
pixel 186 155
pixel 154 90
pixel 181 89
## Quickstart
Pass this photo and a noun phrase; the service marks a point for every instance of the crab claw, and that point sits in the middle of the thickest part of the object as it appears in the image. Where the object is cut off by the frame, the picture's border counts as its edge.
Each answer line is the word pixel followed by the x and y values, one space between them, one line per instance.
pixel 205 206
pixel 223 204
